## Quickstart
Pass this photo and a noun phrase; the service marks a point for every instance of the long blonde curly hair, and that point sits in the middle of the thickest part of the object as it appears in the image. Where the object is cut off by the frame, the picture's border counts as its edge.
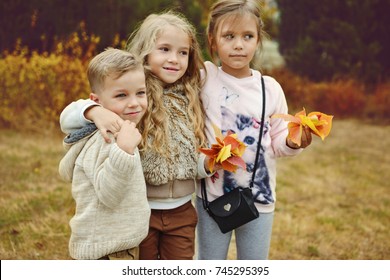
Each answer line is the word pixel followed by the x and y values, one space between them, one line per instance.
pixel 142 42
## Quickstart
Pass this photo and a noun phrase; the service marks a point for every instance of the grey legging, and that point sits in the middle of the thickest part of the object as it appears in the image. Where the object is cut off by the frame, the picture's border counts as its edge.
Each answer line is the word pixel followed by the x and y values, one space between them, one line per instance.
pixel 252 239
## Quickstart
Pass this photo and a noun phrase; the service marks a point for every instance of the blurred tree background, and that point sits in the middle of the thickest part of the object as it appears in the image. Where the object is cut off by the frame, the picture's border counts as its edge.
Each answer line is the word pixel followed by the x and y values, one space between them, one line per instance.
pixel 333 38
pixel 39 24
pixel 333 52
pixel 336 38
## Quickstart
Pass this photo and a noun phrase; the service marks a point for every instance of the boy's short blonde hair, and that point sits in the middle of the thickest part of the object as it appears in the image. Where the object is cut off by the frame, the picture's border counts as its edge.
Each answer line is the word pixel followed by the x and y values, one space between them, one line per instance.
pixel 110 62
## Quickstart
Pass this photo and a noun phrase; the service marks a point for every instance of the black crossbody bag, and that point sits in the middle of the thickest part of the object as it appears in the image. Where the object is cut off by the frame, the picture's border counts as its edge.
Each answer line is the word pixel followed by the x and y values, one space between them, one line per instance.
pixel 236 207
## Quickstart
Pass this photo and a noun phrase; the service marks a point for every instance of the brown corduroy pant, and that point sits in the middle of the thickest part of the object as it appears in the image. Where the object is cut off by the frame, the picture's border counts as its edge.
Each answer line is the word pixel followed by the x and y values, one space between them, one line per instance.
pixel 171 234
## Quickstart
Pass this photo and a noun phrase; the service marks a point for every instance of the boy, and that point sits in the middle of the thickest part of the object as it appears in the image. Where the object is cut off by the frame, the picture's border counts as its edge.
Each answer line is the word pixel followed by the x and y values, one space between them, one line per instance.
pixel 108 186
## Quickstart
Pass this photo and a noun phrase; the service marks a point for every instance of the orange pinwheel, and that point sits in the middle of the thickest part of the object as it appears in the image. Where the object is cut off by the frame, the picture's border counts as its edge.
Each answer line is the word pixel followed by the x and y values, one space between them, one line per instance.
pixel 226 152
pixel 319 123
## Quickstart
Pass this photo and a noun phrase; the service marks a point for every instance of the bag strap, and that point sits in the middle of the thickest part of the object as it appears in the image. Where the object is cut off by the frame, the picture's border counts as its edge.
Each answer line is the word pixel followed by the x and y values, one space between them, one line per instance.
pixel 205 201
pixel 203 181
pixel 260 134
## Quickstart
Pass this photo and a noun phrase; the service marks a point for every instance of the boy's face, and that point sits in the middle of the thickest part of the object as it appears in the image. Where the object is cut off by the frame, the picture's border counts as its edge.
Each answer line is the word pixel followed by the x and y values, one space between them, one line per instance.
pixel 169 59
pixel 125 96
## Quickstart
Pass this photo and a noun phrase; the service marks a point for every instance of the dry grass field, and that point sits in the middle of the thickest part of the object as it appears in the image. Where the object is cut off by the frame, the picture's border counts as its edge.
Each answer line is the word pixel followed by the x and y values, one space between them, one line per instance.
pixel 333 200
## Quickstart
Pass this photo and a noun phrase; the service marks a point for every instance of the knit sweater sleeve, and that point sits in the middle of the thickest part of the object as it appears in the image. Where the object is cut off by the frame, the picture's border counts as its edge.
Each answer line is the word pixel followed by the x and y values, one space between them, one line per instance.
pixel 72 117
pixel 110 169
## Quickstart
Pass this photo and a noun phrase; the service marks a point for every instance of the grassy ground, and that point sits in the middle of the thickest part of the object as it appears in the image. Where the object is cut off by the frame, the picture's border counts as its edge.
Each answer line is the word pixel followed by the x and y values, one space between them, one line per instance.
pixel 333 199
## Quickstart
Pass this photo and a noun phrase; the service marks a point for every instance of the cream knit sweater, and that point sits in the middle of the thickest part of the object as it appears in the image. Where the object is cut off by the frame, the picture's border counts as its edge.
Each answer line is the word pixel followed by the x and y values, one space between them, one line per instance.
pixel 183 162
pixel 108 186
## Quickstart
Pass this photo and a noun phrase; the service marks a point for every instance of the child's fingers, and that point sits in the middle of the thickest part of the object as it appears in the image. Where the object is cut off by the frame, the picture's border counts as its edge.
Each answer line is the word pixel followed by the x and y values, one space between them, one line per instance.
pixel 104 133
pixel 291 144
pixel 306 137
pixel 127 125
pixel 118 124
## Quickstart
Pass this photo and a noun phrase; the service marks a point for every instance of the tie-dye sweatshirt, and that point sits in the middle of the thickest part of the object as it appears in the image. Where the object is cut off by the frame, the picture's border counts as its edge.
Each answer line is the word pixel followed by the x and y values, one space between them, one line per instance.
pixel 236 105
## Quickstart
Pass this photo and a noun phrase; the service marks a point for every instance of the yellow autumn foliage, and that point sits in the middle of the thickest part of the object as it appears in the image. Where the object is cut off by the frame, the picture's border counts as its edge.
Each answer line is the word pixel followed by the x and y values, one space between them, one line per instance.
pixel 36 87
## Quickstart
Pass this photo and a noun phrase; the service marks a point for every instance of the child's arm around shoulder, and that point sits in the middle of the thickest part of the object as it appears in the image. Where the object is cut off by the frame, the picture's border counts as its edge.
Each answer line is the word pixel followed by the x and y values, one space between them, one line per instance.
pixel 72 117
pixel 84 111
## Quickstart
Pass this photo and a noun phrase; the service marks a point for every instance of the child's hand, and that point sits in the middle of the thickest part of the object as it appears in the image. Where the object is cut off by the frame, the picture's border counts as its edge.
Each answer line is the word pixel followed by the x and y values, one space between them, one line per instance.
pixel 128 137
pixel 305 139
pixel 105 120
pixel 206 164
pixel 302 125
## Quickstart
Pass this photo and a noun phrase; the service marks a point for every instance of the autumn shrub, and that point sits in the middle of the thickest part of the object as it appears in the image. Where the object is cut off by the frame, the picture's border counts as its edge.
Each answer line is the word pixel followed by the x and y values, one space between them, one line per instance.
pixel 295 88
pixel 343 98
pixel 380 104
pixel 36 87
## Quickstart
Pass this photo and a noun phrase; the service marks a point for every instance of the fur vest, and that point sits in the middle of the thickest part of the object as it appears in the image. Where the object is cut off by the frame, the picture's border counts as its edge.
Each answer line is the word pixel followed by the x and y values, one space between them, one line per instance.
pixel 181 163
